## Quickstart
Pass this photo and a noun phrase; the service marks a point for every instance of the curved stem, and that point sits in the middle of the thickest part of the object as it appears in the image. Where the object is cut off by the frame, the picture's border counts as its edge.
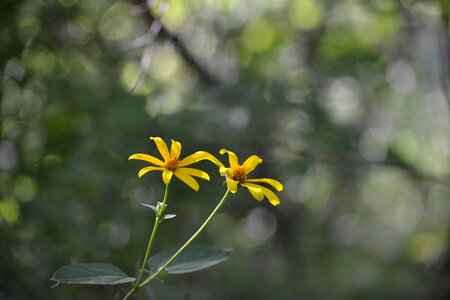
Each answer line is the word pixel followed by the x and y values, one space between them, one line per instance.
pixel 153 276
pixel 158 219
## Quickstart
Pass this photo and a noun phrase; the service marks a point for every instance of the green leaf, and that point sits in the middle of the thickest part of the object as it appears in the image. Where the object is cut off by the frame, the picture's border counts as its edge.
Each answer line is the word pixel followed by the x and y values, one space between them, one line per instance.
pixel 96 273
pixel 192 259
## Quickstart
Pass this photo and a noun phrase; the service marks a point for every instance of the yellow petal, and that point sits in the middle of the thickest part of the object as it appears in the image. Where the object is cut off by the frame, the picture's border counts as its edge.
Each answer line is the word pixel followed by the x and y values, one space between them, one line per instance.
pixel 256 192
pixel 187 179
pixel 231 157
pixel 232 185
pixel 148 158
pixel 162 147
pixel 273 199
pixel 188 160
pixel 276 184
pixel 148 169
pixel 226 172
pixel 251 163
pixel 167 176
pixel 175 149
pixel 203 155
pixel 194 172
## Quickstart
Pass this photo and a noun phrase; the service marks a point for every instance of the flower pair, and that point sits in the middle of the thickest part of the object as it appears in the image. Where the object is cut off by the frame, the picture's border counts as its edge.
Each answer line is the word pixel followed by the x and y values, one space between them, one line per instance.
pixel 236 174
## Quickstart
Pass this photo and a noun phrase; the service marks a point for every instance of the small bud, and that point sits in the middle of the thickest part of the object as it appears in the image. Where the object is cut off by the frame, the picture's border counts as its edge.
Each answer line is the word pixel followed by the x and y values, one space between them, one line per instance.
pixel 160 207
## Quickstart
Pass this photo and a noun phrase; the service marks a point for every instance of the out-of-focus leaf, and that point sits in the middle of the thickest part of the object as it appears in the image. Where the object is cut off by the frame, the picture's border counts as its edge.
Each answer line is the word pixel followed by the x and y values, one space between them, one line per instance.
pixel 95 273
pixel 192 259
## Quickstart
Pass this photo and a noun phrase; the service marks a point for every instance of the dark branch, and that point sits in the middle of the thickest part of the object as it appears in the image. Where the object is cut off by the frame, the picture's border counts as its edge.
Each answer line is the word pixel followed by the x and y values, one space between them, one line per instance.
pixel 204 74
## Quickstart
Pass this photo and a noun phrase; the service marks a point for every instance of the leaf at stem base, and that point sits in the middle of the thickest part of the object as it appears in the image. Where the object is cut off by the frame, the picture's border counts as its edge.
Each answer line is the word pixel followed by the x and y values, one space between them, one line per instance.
pixel 94 273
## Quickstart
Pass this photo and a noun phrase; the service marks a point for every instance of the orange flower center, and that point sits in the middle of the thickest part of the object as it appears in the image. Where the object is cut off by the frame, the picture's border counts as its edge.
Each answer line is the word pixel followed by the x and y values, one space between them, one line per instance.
pixel 171 164
pixel 239 173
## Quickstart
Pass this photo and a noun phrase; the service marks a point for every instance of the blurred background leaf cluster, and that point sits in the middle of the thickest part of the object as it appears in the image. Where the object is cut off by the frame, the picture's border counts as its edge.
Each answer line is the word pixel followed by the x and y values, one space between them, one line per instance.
pixel 346 101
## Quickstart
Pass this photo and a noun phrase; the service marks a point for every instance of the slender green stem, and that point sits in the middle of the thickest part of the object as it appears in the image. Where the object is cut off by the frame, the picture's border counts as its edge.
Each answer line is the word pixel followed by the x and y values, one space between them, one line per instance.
pixel 130 292
pixel 159 215
pixel 153 276
pixel 158 219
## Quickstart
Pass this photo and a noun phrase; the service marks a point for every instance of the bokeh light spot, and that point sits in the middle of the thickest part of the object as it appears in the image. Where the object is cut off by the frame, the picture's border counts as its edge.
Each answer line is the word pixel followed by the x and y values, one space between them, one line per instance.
pixel 256 228
pixel 8 155
pixel 130 73
pixel 41 60
pixel 426 247
pixel 25 188
pixel 305 14
pixel 165 63
pixel 115 23
pixel 175 15
pixel 29 25
pixel 406 145
pixel 258 36
pixel 401 76
pixel 9 210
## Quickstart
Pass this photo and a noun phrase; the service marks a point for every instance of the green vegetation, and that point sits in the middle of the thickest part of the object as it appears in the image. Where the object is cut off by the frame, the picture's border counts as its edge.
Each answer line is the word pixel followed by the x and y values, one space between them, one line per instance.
pixel 346 101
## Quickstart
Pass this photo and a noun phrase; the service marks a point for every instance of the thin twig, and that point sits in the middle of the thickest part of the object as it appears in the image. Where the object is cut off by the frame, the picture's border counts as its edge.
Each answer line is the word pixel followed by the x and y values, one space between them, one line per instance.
pixel 204 74
pixel 147 42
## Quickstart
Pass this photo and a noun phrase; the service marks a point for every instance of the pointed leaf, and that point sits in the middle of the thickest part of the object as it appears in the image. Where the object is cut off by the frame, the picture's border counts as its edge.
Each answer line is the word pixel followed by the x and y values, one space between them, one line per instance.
pixel 96 273
pixel 150 206
pixel 192 259
pixel 169 216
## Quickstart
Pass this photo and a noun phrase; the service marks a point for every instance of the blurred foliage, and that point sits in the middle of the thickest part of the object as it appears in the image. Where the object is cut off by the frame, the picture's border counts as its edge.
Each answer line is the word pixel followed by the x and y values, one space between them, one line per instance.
pixel 346 101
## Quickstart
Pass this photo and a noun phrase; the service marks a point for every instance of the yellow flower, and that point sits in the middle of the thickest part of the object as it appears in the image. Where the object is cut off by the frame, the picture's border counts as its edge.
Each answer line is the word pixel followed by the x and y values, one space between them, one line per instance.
pixel 236 176
pixel 172 164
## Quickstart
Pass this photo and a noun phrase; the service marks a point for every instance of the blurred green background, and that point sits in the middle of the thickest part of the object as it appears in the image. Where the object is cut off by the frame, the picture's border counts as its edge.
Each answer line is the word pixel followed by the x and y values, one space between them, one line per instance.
pixel 346 101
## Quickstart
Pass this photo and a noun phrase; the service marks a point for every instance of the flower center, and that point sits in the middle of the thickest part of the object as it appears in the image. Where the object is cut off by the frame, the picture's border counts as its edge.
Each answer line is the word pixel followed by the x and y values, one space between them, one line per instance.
pixel 239 173
pixel 171 164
